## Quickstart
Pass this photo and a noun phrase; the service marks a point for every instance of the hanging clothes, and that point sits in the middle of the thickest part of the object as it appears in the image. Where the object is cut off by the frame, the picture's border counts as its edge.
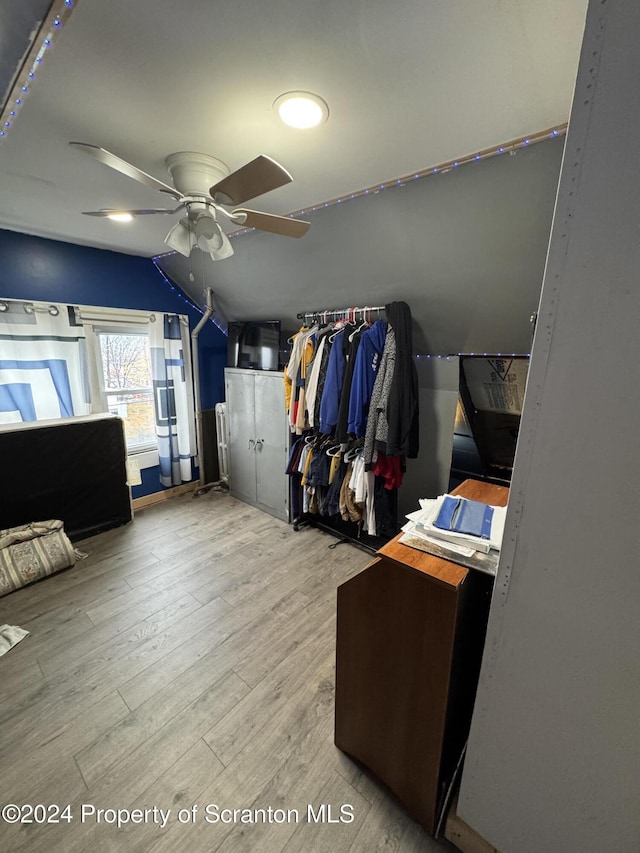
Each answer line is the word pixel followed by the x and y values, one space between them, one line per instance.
pixel 402 406
pixel 362 484
pixel 295 376
pixel 333 384
pixel 377 426
pixel 385 507
pixel 313 375
pixel 336 461
pixel 364 376
pixel 294 456
pixel 349 510
pixel 303 467
pixel 295 477
pixel 345 392
pixel 322 377
pixel 390 469
pixel 318 473
pixel 331 503
pixel 354 388
pixel 291 369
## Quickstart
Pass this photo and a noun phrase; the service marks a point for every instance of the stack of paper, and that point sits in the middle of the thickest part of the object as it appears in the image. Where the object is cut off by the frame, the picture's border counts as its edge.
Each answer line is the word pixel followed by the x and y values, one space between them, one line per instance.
pixel 449 526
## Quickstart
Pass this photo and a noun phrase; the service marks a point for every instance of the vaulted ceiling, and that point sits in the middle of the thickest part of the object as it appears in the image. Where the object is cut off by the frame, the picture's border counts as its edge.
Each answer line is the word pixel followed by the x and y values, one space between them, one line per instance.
pixel 409 84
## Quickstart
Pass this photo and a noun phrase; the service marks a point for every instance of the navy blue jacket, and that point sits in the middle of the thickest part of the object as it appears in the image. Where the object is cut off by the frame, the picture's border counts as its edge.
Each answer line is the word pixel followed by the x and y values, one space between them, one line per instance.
pixel 332 385
pixel 364 376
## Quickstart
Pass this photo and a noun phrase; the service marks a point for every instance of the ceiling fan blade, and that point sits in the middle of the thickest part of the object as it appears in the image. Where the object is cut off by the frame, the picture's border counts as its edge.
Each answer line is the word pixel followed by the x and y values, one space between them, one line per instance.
pixel 255 178
pixel 118 211
pixel 270 222
pixel 114 162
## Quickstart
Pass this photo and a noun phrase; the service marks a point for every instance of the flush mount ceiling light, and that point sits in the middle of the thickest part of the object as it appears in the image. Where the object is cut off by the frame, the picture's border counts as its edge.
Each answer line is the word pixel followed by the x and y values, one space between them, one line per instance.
pixel 301 109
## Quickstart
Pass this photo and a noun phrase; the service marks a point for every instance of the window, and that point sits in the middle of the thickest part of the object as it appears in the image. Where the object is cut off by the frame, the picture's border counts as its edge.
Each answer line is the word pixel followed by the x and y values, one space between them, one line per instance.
pixel 65 361
pixel 126 387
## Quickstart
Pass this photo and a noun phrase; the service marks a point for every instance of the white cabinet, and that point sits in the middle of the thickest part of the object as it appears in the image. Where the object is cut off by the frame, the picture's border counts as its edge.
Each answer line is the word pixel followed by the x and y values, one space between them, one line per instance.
pixel 258 439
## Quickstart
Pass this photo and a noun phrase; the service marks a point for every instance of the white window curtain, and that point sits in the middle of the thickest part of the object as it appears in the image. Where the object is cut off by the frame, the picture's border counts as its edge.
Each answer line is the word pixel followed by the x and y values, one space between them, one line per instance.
pixel 43 363
pixel 47 371
pixel 173 396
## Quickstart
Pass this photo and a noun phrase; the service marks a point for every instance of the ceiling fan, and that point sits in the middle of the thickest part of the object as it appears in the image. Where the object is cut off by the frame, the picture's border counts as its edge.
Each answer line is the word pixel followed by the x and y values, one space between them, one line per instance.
pixel 202 186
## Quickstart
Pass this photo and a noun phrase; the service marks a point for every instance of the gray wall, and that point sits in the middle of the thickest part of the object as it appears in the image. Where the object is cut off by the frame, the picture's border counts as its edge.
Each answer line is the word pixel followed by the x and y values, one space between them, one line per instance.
pixel 428 475
pixel 465 249
pixel 554 753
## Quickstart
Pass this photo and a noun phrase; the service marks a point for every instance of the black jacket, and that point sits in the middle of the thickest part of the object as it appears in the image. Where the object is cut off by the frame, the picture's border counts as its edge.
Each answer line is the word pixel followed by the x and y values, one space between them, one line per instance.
pixel 402 406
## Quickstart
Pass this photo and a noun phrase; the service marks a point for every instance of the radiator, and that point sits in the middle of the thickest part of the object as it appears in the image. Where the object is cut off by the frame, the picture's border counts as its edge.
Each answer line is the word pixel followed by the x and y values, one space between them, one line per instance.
pixel 223 449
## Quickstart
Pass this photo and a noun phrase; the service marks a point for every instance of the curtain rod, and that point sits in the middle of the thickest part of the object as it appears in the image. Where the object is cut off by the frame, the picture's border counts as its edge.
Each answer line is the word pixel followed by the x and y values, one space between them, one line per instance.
pixel 339 312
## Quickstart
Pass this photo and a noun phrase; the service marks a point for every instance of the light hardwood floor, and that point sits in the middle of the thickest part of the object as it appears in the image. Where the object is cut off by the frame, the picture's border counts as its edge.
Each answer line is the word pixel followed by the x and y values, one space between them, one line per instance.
pixel 188 662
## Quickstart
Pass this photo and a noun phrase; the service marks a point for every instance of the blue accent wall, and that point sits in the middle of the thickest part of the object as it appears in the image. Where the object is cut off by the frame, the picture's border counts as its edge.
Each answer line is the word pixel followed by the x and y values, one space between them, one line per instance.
pixel 40 270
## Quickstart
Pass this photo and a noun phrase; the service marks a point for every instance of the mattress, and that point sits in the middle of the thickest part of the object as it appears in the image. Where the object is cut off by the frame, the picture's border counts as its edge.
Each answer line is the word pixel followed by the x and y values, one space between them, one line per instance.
pixel 72 469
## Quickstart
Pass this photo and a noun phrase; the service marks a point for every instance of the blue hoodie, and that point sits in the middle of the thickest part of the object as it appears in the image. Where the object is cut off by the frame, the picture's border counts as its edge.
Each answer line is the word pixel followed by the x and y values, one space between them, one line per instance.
pixel 364 376
pixel 330 401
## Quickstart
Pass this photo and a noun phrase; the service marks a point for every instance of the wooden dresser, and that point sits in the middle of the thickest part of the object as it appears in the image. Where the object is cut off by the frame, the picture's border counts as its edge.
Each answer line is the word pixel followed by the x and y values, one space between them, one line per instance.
pixel 410 635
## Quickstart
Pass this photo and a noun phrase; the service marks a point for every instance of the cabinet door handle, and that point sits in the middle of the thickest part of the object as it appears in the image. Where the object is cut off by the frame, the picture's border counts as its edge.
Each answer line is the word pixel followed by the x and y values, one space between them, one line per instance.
pixel 259 443
pixel 251 444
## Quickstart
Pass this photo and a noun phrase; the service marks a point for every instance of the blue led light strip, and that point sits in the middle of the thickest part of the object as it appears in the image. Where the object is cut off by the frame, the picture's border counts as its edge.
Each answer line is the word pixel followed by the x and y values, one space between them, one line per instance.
pixel 57 16
pixel 477 354
pixel 180 293
pixel 440 169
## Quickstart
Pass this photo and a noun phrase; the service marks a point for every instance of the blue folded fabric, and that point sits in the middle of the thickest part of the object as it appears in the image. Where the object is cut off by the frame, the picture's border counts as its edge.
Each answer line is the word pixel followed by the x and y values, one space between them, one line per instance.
pixel 464 516
pixel 444 519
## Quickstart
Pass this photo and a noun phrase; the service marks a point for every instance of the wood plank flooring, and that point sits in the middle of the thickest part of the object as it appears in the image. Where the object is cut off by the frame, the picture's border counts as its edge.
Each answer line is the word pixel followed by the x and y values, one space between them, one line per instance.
pixel 188 662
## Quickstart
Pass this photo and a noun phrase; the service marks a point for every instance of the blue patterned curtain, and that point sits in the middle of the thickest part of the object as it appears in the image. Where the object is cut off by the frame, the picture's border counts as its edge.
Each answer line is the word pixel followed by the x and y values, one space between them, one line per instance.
pixel 172 391
pixel 43 363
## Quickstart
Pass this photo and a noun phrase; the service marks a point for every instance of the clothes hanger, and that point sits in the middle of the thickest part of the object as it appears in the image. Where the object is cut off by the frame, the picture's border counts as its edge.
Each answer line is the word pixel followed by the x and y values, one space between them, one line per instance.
pixel 354 447
pixel 353 452
pixel 303 328
pixel 365 324
pixel 311 330
pixel 343 322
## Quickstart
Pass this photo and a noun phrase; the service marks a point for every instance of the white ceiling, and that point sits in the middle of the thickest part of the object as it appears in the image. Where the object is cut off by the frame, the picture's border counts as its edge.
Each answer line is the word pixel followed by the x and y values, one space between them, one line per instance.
pixel 409 84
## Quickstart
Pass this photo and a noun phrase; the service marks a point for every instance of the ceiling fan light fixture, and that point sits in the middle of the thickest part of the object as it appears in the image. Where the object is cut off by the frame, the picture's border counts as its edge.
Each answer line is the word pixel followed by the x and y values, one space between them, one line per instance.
pixel 206 227
pixel 219 247
pixel 200 226
pixel 120 217
pixel 210 244
pixel 185 236
pixel 301 110
pixel 181 239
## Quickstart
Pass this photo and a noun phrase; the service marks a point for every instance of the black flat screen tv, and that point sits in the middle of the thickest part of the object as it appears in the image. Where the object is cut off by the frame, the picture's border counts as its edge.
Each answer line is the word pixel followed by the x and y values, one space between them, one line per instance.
pixel 254 344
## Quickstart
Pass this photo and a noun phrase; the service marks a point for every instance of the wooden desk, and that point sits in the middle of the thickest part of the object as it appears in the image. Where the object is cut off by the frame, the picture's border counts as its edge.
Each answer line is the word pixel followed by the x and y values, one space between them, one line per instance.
pixel 410 635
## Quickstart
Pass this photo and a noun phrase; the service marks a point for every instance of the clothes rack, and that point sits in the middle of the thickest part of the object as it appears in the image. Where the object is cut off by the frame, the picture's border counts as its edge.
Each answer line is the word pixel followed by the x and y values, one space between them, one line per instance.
pixel 344 530
pixel 354 313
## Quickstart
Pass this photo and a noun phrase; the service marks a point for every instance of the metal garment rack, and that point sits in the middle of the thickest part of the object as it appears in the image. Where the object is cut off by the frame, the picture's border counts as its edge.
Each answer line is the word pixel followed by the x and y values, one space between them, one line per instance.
pixel 340 314
pixel 341 529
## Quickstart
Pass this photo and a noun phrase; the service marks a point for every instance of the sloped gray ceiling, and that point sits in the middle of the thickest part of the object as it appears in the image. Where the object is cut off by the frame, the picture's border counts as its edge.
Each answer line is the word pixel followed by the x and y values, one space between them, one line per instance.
pixel 18 24
pixel 465 249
